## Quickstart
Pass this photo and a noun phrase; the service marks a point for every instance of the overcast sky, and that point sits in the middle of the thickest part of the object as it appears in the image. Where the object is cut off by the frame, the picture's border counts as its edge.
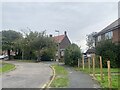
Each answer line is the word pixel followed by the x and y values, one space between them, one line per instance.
pixel 77 18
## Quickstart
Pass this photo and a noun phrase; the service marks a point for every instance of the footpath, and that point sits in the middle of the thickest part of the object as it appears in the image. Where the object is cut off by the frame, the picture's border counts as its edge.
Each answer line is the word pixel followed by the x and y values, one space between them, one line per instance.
pixel 78 79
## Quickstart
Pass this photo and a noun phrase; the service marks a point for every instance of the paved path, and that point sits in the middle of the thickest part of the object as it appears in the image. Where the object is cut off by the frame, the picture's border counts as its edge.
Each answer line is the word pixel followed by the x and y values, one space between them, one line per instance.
pixel 27 75
pixel 80 80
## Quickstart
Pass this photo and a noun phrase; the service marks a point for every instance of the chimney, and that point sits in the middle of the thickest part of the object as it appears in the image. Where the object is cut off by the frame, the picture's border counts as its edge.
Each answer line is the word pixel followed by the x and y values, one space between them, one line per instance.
pixel 50 35
pixel 65 33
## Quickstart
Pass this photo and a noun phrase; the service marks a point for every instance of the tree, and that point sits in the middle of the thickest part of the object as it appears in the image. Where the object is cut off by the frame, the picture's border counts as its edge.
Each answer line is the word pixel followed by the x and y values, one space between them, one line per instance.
pixel 90 40
pixel 33 45
pixel 42 44
pixel 72 54
pixel 8 39
pixel 36 45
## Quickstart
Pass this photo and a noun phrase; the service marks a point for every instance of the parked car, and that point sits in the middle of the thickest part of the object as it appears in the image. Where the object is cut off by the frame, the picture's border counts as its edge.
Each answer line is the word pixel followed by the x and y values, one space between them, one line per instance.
pixel 3 57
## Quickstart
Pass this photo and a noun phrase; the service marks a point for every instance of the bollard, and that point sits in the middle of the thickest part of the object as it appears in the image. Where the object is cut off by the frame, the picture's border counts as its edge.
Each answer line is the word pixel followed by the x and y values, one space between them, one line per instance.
pixel 89 64
pixel 83 62
pixel 109 75
pixel 94 66
pixel 101 71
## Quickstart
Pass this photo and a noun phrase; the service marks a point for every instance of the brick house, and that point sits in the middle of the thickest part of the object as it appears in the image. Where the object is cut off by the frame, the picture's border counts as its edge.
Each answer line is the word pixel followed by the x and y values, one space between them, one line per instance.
pixel 63 41
pixel 111 32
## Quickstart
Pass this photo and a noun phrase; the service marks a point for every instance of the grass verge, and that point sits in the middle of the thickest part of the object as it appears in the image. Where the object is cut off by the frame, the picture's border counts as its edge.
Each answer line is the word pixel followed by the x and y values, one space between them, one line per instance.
pixel 6 67
pixel 61 77
pixel 115 78
pixel 97 70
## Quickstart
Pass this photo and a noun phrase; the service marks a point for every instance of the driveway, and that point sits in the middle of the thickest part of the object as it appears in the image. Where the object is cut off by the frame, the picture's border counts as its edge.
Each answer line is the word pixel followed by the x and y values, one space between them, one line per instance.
pixel 27 75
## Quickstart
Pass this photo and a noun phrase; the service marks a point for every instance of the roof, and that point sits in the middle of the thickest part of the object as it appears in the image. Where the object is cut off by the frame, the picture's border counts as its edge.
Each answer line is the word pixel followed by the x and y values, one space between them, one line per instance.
pixel 89 51
pixel 58 38
pixel 111 27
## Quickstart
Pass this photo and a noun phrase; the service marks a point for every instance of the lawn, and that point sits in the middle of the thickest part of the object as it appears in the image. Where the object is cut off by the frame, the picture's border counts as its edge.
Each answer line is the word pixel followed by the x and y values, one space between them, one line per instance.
pixel 104 83
pixel 61 77
pixel 6 67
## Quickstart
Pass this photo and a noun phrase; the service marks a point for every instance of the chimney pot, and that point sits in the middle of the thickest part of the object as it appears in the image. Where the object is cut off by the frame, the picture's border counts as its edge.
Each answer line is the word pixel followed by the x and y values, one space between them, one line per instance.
pixel 50 35
pixel 65 33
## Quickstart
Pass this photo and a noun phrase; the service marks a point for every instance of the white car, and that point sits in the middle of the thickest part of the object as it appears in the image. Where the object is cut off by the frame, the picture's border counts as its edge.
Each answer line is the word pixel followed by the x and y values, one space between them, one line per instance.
pixel 3 57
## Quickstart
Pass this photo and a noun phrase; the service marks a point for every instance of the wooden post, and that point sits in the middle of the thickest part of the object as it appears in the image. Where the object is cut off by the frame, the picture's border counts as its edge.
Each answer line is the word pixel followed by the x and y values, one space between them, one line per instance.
pixel 78 63
pixel 109 75
pixel 83 62
pixel 93 66
pixel 101 71
pixel 89 64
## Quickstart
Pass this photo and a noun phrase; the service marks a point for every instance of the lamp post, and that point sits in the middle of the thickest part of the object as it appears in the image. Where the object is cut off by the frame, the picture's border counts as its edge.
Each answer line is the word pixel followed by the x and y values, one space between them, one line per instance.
pixel 58 46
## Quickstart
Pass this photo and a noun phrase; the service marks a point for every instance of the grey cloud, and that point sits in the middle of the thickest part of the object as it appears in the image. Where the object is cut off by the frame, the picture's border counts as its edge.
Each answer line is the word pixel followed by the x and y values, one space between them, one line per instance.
pixel 74 17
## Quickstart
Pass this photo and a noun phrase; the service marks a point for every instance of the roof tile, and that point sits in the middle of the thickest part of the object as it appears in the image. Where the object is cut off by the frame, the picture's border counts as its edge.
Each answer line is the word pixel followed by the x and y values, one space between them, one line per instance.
pixel 58 38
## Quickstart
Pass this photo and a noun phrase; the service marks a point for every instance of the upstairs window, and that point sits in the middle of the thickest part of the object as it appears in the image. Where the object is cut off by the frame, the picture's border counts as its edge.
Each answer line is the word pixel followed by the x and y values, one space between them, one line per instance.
pixel 99 38
pixel 108 35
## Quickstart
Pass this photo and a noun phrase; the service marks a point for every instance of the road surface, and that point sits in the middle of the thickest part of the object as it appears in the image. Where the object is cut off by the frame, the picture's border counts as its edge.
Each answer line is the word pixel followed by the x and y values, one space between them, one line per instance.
pixel 27 75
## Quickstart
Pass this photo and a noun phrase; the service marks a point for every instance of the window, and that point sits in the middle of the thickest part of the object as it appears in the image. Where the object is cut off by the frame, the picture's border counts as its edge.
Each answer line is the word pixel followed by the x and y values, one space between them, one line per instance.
pixel 109 35
pixel 62 53
pixel 99 38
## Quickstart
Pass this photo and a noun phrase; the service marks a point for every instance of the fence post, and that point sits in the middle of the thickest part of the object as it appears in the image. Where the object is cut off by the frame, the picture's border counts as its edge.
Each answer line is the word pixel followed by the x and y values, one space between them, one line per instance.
pixel 89 64
pixel 94 66
pixel 101 71
pixel 109 75
pixel 78 63
pixel 83 62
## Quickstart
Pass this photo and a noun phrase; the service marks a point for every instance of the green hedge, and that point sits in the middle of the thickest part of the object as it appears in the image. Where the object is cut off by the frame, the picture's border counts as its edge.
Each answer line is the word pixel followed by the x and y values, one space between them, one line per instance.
pixel 109 51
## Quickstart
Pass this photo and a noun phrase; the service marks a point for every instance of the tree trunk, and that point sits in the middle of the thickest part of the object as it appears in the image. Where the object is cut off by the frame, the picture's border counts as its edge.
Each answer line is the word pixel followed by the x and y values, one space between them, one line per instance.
pixel 22 54
pixel 8 52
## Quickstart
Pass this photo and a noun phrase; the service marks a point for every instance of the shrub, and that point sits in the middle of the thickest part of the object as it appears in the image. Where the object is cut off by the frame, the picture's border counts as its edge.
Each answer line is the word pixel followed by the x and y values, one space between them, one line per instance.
pixel 72 54
pixel 108 51
pixel 48 54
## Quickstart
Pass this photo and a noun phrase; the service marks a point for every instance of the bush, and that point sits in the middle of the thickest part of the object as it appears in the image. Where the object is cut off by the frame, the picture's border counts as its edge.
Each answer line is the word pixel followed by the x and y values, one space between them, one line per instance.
pixel 48 54
pixel 108 51
pixel 72 54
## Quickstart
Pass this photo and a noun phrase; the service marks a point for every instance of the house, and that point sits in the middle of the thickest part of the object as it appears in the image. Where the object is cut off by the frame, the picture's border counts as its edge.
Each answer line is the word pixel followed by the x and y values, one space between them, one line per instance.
pixel 111 32
pixel 90 52
pixel 63 42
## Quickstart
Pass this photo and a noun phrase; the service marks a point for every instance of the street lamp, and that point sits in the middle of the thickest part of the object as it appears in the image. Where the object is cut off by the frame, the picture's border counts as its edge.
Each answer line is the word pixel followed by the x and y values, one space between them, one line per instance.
pixel 58 45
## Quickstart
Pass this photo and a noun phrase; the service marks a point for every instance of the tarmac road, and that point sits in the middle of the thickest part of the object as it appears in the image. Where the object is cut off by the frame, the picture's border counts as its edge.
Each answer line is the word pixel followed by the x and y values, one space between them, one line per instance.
pixel 27 75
